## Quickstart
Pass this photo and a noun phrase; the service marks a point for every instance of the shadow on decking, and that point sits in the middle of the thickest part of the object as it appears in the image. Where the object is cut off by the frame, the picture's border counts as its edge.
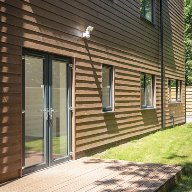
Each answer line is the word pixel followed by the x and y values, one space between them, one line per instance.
pixel 136 175
pixel 91 174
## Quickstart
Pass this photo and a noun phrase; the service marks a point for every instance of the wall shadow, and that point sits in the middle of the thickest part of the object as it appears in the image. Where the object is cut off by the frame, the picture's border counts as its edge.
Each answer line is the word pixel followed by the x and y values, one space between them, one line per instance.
pixel 111 123
pixel 149 116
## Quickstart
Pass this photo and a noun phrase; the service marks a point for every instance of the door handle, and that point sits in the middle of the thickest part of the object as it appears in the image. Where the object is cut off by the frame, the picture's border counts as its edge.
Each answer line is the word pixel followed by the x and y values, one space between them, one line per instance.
pixel 51 115
pixel 71 109
pixel 47 111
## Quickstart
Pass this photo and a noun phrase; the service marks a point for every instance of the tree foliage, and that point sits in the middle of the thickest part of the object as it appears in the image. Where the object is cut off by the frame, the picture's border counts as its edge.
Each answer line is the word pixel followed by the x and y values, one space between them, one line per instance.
pixel 188 41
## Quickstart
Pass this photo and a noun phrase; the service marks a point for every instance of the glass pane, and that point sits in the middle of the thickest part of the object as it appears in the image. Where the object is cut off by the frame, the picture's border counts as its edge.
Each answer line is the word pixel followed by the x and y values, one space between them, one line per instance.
pixel 148 7
pixel 179 90
pixel 173 90
pixel 142 90
pixel 59 103
pixel 34 96
pixel 142 7
pixel 106 86
pixel 149 90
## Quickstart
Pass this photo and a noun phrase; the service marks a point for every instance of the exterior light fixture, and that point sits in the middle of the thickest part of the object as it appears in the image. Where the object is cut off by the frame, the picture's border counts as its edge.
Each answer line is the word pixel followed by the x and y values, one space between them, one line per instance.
pixel 86 34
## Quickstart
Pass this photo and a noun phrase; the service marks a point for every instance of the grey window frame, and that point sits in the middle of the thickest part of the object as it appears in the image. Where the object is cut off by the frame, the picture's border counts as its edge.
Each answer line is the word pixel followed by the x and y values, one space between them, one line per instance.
pixel 105 109
pixel 152 11
pixel 153 90
pixel 169 86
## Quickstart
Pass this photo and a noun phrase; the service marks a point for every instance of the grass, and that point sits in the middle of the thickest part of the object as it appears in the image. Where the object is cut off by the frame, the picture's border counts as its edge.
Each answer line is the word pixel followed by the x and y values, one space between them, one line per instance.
pixel 59 145
pixel 171 146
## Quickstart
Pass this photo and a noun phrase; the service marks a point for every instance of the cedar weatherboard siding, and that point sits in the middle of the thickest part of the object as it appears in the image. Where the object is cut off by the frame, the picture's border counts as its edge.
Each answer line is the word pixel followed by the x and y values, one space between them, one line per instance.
pixel 120 38
pixel 174 66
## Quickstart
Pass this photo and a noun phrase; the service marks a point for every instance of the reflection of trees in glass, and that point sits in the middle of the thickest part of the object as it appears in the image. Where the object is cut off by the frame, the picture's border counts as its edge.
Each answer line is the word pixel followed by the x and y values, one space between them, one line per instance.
pixel 142 7
pixel 147 80
pixel 148 5
pixel 146 9
pixel 172 83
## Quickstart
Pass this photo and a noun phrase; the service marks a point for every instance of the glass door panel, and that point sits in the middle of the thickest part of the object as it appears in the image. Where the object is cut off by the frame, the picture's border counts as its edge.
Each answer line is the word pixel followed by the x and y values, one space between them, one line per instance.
pixel 45 110
pixel 59 109
pixel 34 105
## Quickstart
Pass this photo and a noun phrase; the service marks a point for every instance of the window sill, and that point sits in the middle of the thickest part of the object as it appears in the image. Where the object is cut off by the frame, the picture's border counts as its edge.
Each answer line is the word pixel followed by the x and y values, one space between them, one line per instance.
pixel 109 112
pixel 175 102
pixel 146 20
pixel 148 108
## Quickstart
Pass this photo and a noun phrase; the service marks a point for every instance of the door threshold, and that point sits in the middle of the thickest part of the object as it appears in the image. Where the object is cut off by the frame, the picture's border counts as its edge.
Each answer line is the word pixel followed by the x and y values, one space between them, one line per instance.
pixel 25 174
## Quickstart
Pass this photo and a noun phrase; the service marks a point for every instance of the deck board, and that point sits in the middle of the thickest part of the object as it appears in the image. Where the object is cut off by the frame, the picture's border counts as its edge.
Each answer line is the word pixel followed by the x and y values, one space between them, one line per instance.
pixel 93 175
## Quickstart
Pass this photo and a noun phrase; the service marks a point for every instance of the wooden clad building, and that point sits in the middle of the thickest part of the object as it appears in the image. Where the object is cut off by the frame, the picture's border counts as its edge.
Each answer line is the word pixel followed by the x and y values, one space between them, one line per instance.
pixel 63 96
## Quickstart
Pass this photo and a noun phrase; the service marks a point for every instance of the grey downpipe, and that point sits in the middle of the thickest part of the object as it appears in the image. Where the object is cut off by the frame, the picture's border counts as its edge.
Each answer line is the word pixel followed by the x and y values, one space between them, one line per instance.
pixel 161 23
pixel 173 122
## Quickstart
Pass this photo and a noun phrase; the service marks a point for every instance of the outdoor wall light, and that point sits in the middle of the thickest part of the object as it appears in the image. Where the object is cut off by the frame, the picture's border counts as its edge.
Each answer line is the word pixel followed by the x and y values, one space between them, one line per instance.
pixel 86 34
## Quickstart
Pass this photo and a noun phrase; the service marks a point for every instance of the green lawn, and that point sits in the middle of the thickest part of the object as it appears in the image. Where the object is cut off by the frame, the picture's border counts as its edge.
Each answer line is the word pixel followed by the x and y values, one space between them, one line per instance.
pixel 59 145
pixel 172 146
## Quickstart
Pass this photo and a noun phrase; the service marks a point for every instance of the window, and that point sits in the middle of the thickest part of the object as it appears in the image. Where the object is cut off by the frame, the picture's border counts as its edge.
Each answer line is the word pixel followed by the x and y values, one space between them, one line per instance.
pixel 147 90
pixel 107 88
pixel 174 92
pixel 146 9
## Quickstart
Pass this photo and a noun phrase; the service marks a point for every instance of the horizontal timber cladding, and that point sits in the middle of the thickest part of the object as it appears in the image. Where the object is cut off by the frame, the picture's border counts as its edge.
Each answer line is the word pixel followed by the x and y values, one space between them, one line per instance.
pixel 173 66
pixel 121 38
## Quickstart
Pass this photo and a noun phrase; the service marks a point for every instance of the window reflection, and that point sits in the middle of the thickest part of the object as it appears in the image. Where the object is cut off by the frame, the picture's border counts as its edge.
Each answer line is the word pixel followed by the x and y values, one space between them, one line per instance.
pixel 146 7
pixel 60 105
pixel 174 90
pixel 106 87
pixel 142 90
pixel 179 90
pixel 142 7
pixel 34 93
pixel 147 90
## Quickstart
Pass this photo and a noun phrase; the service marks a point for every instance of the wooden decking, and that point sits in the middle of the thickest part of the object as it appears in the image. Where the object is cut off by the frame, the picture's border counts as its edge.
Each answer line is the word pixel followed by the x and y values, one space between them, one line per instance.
pixel 91 174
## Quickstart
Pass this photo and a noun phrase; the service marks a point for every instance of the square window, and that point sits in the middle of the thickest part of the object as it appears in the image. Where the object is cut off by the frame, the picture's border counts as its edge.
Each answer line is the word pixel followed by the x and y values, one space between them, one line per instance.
pixel 147 90
pixel 107 88
pixel 174 92
pixel 146 9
